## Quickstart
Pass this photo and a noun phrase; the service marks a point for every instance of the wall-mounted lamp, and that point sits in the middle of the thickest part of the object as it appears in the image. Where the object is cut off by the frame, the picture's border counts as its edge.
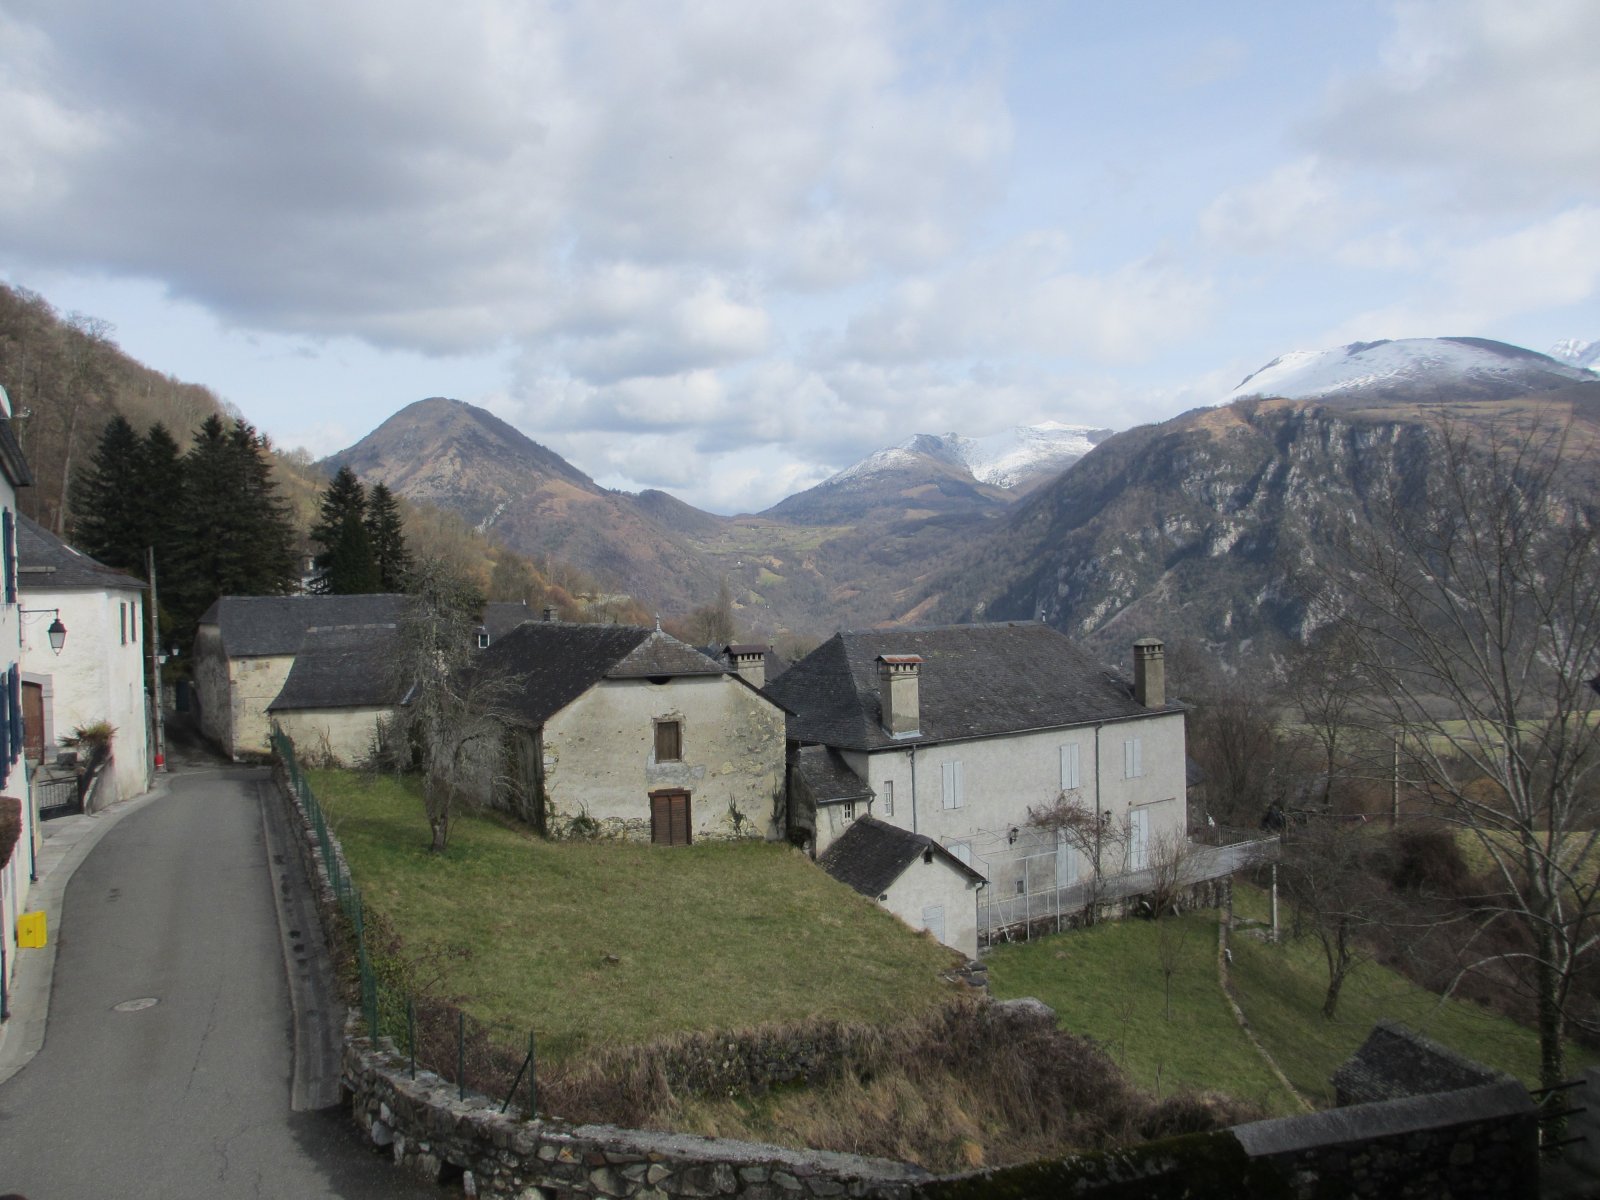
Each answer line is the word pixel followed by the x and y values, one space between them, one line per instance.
pixel 57 633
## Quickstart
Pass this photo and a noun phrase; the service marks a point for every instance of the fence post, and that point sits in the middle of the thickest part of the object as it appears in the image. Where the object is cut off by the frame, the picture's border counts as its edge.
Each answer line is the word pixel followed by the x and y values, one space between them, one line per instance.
pixel 461 1052
pixel 533 1087
pixel 411 1032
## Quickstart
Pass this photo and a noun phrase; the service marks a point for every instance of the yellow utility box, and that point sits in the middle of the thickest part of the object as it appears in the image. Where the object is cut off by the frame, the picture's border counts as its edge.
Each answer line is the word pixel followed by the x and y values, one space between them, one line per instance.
pixel 30 931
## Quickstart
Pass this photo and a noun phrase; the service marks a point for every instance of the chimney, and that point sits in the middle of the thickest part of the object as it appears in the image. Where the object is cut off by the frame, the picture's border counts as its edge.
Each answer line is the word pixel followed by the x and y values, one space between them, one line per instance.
pixel 1150 672
pixel 549 613
pixel 750 662
pixel 898 676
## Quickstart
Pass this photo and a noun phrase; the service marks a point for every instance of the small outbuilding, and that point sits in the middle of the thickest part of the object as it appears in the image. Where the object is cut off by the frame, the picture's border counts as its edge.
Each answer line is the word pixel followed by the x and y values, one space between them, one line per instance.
pixel 912 876
pixel 341 686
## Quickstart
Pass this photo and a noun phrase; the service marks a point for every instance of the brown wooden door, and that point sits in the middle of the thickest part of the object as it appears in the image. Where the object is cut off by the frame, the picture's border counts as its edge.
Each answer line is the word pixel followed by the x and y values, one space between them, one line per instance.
pixel 669 818
pixel 33 721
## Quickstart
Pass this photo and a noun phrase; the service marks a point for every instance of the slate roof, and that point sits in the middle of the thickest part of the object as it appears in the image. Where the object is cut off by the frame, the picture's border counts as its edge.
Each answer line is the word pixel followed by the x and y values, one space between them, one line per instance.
pixel 871 855
pixel 346 666
pixel 45 562
pixel 500 617
pixel 264 626
pixel 558 661
pixel 1395 1062
pixel 975 681
pixel 829 777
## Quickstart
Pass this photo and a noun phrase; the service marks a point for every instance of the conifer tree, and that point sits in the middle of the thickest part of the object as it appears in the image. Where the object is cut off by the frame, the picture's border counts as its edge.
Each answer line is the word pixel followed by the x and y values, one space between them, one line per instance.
pixel 108 500
pixel 346 564
pixel 160 473
pixel 387 534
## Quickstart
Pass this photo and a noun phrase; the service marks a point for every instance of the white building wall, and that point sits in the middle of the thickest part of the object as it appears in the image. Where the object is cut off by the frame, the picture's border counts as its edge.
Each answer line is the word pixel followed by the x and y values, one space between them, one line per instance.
pixel 15 874
pixel 331 736
pixel 98 676
pixel 926 887
pixel 599 756
pixel 253 683
pixel 999 779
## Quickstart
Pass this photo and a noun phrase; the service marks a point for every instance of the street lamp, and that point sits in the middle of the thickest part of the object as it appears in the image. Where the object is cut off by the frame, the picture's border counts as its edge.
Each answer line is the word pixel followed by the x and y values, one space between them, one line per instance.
pixel 57 632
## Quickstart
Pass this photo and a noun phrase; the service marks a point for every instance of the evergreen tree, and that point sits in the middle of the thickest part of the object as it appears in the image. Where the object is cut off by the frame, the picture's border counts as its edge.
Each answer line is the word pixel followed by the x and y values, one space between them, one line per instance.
pixel 346 564
pixel 108 500
pixel 233 537
pixel 388 537
pixel 161 493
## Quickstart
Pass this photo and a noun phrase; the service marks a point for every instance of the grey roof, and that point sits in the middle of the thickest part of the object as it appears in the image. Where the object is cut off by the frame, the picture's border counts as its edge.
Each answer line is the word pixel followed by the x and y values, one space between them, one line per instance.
pixel 44 561
pixel 828 776
pixel 1395 1062
pixel 558 661
pixel 12 461
pixel 500 617
pixel 260 626
pixel 974 681
pixel 346 666
pixel 871 855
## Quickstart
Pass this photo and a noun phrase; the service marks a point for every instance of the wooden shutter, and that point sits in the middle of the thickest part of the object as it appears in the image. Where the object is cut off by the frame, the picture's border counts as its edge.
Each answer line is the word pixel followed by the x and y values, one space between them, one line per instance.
pixel 669 818
pixel 669 741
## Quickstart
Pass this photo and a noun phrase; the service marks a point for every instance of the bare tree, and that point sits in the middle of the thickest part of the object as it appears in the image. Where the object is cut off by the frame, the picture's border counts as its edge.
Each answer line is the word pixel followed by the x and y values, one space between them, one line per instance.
pixel 1101 840
pixel 1328 871
pixel 1475 607
pixel 457 721
pixel 1171 866
pixel 1327 693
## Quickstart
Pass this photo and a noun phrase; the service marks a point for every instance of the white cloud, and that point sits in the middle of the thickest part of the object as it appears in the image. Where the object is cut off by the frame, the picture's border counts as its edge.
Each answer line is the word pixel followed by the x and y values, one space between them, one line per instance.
pixel 1544 265
pixel 1293 209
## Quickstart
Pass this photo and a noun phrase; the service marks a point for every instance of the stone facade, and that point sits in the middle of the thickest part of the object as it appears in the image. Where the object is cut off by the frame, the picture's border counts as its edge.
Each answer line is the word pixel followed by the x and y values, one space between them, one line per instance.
pixel 333 736
pixel 234 694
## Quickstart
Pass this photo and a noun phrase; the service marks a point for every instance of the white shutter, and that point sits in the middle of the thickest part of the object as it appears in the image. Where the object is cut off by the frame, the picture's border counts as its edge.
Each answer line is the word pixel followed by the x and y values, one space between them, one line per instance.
pixel 1139 839
pixel 1069 767
pixel 950 784
pixel 1066 861
pixel 961 789
pixel 1132 759
pixel 933 921
pixel 962 850
pixel 888 797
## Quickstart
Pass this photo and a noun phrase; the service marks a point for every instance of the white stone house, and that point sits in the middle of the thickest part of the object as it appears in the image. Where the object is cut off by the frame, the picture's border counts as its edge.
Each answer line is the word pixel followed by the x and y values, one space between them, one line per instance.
pixel 959 733
pixel 99 673
pixel 630 733
pixel 245 648
pixel 912 876
pixel 341 686
pixel 19 816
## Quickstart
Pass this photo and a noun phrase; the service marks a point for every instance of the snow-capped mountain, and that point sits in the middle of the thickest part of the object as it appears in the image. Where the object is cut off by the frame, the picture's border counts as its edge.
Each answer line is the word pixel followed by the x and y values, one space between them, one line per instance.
pixel 1577 353
pixel 1411 369
pixel 1013 458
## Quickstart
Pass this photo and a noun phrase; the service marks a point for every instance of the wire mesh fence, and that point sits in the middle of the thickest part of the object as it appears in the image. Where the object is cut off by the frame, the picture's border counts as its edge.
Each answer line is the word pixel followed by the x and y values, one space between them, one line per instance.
pixel 431 1035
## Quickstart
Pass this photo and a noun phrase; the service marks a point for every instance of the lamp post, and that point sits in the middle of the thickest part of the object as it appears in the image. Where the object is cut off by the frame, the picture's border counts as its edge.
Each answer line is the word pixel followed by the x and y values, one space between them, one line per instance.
pixel 57 632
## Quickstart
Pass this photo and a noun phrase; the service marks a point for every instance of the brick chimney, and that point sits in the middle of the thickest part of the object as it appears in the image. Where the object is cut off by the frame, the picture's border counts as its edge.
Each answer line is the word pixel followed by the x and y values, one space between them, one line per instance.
pixel 898 676
pixel 1150 672
pixel 750 662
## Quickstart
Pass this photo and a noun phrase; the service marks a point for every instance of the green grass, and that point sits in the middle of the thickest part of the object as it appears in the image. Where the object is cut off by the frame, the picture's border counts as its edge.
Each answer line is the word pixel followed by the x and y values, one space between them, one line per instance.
pixel 713 936
pixel 1280 988
pixel 1108 982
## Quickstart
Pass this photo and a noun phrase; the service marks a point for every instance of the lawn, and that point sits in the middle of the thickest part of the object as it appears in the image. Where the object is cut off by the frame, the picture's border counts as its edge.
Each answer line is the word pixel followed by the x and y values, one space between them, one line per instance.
pixel 1109 982
pixel 1280 988
pixel 600 943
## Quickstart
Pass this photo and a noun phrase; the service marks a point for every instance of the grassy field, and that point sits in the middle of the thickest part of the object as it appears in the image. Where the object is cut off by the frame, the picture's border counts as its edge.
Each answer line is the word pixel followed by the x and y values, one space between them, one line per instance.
pixel 594 944
pixel 1109 982
pixel 1280 988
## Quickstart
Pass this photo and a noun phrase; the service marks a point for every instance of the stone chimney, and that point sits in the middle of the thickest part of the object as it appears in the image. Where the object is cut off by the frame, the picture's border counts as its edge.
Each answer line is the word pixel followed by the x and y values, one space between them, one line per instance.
pixel 898 676
pixel 750 662
pixel 1150 672
pixel 549 613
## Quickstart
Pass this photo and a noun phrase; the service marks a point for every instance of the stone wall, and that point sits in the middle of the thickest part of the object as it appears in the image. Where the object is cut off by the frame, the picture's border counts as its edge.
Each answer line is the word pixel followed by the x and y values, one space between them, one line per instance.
pixel 430 1131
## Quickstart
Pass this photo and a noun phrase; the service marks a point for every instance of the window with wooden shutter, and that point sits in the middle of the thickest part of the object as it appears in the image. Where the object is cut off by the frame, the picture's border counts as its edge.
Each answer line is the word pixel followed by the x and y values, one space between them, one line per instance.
pixel 669 741
pixel 951 786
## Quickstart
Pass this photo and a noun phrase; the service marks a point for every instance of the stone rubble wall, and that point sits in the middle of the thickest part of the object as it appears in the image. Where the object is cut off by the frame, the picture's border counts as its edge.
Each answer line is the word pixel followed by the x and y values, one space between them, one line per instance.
pixel 433 1133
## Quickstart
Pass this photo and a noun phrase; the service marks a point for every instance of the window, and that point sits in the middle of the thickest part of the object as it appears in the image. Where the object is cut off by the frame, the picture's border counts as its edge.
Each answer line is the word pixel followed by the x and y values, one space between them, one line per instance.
pixel 483 640
pixel 951 785
pixel 888 797
pixel 1022 886
pixel 1066 861
pixel 122 621
pixel 669 741
pixel 850 810
pixel 669 818
pixel 1139 839
pixel 1132 759
pixel 962 850
pixel 133 621
pixel 8 536
pixel 1070 778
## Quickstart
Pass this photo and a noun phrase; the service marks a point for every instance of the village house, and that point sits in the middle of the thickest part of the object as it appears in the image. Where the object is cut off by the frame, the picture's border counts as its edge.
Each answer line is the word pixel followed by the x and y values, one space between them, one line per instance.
pixel 97 674
pixel 19 817
pixel 341 686
pixel 246 646
pixel 627 732
pixel 963 733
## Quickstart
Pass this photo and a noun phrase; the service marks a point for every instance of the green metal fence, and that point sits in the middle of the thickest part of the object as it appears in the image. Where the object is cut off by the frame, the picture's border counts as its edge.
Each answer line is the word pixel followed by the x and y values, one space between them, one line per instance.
pixel 437 1036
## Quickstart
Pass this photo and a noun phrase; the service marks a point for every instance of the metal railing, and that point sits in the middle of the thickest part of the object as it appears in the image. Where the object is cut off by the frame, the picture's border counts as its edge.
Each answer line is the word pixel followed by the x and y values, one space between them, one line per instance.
pixel 439 1037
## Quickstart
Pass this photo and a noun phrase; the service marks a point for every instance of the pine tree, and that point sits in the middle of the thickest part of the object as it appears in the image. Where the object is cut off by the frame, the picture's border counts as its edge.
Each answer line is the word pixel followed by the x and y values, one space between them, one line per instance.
pixel 346 564
pixel 387 534
pixel 160 493
pixel 108 498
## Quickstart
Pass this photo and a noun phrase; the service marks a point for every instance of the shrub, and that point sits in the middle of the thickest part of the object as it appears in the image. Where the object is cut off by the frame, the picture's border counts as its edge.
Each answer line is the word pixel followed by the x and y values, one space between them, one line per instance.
pixel 1429 859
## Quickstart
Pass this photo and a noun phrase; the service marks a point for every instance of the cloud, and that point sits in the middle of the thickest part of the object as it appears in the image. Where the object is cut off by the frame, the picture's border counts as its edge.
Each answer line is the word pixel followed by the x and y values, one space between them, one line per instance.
pixel 1026 298
pixel 1294 209
pixel 1500 98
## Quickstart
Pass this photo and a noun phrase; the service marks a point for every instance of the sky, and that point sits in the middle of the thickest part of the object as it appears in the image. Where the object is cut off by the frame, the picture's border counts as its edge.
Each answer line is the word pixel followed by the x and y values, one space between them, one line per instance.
pixel 726 248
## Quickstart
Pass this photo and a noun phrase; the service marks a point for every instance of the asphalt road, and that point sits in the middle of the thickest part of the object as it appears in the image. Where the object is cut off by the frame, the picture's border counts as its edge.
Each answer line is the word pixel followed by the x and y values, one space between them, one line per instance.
pixel 168 1056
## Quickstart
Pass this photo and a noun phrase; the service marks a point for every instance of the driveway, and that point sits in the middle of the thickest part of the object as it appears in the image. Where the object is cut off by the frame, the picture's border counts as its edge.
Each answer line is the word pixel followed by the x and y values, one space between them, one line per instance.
pixel 168 1057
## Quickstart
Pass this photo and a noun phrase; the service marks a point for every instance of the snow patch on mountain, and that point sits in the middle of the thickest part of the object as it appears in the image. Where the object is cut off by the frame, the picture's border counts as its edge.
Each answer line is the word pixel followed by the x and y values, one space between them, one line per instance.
pixel 1008 459
pixel 1424 363
pixel 1577 353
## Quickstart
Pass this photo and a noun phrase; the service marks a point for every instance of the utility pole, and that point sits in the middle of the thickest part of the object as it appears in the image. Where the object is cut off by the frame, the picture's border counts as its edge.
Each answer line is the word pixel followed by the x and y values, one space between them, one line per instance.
pixel 154 643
